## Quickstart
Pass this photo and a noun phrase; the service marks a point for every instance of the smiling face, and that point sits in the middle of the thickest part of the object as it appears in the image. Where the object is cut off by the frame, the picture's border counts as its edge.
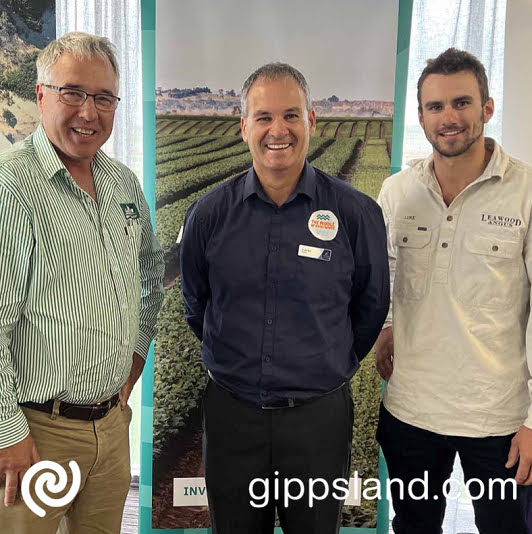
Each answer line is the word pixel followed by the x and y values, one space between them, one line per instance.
pixel 453 116
pixel 277 127
pixel 77 132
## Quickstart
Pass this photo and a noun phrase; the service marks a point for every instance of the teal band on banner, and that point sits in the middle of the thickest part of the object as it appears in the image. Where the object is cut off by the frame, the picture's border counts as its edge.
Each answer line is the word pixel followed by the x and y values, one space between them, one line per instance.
pixel 148 16
pixel 401 78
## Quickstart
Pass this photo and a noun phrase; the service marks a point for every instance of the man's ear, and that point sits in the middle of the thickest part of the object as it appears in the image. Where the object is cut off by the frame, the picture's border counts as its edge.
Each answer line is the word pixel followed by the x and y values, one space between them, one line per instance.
pixel 40 94
pixel 421 120
pixel 489 109
pixel 312 121
pixel 243 128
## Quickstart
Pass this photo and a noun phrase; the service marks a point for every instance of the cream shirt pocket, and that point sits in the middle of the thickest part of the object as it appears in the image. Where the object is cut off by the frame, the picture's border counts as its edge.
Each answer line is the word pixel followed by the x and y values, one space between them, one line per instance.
pixel 486 273
pixel 412 264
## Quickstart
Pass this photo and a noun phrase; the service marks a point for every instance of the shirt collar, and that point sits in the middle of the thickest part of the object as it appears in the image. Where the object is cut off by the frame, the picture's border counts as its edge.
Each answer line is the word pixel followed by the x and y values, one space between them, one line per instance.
pixel 306 184
pixel 51 163
pixel 496 167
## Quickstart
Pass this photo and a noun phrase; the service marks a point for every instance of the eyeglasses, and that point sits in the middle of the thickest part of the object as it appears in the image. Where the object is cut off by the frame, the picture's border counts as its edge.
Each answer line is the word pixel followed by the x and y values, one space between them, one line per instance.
pixel 77 97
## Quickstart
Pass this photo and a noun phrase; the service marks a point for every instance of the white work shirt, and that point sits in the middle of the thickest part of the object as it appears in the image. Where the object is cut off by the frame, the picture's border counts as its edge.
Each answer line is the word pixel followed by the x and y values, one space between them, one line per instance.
pixel 461 299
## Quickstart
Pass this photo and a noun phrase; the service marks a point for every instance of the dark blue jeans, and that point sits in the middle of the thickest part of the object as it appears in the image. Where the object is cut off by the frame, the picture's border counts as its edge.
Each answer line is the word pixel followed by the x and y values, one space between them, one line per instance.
pixel 409 451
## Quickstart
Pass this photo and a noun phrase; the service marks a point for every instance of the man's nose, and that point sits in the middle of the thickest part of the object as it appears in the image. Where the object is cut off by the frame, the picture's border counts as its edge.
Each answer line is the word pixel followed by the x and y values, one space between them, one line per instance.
pixel 450 115
pixel 278 127
pixel 88 109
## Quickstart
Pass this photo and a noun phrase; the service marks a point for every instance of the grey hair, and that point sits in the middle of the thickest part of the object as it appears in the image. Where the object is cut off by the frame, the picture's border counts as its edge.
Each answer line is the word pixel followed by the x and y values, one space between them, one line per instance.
pixel 274 71
pixel 82 46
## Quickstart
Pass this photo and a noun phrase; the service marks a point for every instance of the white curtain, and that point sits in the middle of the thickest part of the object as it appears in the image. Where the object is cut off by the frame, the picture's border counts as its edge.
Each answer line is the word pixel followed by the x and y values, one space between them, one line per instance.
pixel 119 20
pixel 474 25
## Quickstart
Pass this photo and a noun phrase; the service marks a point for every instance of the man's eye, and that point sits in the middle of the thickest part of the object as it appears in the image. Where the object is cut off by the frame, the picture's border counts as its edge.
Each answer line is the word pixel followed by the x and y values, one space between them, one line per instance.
pixel 263 119
pixel 435 107
pixel 73 94
pixel 462 103
pixel 291 116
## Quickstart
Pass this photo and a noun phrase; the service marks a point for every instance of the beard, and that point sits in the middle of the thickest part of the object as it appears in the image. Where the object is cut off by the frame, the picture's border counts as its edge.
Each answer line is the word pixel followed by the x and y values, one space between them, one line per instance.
pixel 459 147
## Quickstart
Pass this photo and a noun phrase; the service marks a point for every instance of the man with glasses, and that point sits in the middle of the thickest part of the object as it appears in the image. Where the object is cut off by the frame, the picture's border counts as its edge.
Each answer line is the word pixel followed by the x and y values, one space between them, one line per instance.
pixel 80 288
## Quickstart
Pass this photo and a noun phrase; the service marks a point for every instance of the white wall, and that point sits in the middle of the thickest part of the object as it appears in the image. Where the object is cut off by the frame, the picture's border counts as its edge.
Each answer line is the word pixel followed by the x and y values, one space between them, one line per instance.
pixel 517 115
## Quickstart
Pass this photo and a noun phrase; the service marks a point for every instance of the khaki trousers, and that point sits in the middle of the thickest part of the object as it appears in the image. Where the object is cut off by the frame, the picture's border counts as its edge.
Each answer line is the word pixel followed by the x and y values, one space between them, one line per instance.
pixel 101 449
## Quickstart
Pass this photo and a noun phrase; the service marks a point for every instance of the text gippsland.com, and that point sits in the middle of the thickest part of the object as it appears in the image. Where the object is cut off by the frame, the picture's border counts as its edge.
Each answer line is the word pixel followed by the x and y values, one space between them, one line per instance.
pixel 318 489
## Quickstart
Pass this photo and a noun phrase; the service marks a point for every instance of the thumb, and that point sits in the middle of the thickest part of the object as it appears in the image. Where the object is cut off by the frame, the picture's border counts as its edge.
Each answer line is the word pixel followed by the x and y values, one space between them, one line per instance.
pixel 35 457
pixel 513 456
pixel 124 395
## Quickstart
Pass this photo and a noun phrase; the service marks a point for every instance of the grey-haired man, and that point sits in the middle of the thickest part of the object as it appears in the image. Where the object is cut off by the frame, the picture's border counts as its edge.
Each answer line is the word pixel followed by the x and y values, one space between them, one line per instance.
pixel 80 289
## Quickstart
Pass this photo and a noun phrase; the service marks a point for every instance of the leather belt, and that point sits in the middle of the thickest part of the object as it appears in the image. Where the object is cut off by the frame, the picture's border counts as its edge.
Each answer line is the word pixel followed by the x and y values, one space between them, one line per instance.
pixel 83 412
pixel 293 403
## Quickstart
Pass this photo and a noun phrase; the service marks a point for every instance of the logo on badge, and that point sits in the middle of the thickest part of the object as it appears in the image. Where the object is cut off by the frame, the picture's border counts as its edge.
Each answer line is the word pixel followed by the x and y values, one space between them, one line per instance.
pixel 323 224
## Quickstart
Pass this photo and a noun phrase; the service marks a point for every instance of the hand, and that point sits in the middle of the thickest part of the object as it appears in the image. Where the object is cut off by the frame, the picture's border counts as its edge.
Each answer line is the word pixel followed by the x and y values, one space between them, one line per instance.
pixel 521 448
pixel 384 350
pixel 14 462
pixel 136 370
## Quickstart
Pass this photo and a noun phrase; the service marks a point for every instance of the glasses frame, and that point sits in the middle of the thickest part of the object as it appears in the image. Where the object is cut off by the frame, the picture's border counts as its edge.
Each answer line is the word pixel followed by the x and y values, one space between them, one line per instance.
pixel 59 89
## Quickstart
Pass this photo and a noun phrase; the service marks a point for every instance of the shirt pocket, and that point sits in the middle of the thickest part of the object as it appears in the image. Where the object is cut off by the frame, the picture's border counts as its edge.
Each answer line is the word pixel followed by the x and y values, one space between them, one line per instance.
pixel 412 265
pixel 323 281
pixel 486 273
pixel 133 233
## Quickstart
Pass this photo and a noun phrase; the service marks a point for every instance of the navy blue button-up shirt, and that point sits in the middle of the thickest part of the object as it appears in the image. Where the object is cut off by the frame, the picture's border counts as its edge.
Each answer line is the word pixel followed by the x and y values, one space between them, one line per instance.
pixel 274 322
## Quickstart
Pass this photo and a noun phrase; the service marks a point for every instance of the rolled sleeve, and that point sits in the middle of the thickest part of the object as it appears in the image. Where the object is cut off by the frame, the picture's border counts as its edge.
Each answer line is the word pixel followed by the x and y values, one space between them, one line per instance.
pixel 383 202
pixel 528 338
pixel 15 254
pixel 151 273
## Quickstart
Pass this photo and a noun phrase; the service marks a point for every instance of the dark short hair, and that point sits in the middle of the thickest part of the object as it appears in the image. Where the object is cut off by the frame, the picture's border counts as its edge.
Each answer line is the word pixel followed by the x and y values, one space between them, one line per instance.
pixel 450 62
pixel 274 71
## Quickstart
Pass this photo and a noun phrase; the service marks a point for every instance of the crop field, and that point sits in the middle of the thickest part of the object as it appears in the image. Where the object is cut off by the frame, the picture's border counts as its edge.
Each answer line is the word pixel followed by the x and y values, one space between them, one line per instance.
pixel 195 155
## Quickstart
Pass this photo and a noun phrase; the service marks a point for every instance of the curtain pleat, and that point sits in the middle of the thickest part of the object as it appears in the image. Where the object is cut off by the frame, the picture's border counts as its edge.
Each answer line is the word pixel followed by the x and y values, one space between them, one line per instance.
pixel 119 20
pixel 474 25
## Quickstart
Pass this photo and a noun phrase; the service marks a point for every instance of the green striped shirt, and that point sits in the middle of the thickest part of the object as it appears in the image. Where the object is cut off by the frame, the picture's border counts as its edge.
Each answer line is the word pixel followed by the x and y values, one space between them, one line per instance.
pixel 80 281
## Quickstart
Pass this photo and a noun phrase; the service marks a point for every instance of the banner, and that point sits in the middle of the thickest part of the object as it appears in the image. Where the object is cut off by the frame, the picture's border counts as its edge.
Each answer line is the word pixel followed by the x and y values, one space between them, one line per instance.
pixel 204 52
pixel 25 28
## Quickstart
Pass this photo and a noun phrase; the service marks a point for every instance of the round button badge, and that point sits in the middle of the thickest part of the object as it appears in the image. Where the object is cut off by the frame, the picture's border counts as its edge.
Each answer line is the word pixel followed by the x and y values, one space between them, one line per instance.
pixel 323 224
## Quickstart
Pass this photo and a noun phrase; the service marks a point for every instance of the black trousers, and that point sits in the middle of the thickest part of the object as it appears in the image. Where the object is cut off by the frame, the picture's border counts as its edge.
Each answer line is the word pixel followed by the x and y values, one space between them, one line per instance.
pixel 409 451
pixel 242 442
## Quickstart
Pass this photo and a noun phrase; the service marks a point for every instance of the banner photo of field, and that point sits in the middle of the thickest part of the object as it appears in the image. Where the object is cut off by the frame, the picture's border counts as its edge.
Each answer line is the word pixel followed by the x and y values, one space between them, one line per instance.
pixel 204 52
pixel 25 28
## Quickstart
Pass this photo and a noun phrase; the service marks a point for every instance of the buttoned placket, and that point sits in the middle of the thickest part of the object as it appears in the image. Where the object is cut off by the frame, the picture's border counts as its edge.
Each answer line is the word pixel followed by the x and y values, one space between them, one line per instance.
pixel 272 271
pixel 105 191
pixel 446 239
pixel 448 227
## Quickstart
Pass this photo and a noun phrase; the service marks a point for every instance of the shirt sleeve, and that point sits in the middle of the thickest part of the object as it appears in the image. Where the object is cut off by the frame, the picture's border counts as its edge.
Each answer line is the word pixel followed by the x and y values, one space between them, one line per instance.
pixel 194 271
pixel 16 233
pixel 151 273
pixel 383 202
pixel 528 342
pixel 371 285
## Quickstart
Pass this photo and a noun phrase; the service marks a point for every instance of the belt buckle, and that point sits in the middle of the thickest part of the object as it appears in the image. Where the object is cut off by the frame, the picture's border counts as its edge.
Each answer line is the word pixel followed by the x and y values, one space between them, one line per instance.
pixel 287 403
pixel 97 410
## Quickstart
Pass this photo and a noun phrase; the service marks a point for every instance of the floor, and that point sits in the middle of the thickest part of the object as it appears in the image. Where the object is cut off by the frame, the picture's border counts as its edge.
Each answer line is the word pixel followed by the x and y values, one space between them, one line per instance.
pixel 459 518
pixel 131 511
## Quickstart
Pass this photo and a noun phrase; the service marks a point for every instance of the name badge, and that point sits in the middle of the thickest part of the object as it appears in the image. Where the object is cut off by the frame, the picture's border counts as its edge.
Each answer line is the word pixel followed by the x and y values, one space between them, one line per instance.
pixel 131 213
pixel 315 253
